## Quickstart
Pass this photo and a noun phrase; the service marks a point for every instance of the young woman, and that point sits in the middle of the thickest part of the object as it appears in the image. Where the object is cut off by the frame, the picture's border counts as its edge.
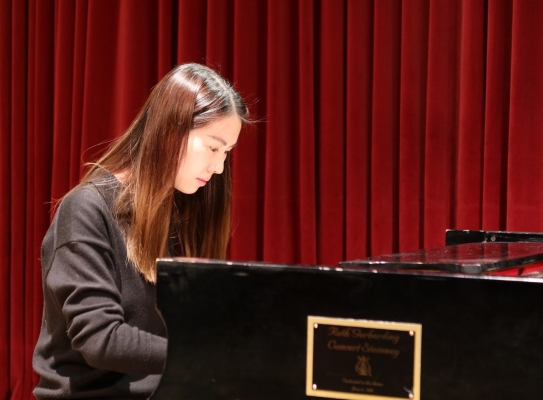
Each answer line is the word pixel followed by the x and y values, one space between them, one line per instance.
pixel 162 189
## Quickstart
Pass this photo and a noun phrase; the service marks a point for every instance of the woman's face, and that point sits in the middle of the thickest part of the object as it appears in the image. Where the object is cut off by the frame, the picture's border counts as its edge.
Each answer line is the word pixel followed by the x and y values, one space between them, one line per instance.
pixel 207 149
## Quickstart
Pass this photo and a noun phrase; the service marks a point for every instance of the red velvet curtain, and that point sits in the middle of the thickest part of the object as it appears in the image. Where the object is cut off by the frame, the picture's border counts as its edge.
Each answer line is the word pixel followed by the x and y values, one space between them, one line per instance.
pixel 385 122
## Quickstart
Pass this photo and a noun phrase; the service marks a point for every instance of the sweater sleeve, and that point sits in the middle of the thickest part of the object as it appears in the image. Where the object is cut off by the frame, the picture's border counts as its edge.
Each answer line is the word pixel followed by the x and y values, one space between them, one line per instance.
pixel 82 280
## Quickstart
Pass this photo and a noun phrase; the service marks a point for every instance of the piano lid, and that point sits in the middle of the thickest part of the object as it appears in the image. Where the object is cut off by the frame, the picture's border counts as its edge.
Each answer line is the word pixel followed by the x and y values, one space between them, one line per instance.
pixel 468 258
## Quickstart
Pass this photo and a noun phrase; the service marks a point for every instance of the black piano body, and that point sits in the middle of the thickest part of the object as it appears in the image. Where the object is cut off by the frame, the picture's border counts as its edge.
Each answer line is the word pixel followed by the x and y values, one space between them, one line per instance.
pixel 240 330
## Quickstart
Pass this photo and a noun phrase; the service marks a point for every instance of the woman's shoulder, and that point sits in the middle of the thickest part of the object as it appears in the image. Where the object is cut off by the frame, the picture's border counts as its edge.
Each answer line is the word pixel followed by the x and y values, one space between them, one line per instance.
pixel 89 202
pixel 98 191
pixel 85 212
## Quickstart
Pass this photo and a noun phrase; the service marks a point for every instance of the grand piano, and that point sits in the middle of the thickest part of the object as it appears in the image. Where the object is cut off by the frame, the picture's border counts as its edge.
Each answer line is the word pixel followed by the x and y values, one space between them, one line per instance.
pixel 464 321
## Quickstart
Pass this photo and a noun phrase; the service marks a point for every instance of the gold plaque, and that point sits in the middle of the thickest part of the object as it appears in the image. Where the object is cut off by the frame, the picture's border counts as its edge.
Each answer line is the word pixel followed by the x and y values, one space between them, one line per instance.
pixel 361 359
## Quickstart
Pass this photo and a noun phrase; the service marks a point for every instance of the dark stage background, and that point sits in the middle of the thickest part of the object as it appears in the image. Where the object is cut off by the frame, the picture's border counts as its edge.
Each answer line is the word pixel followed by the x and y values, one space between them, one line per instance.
pixel 385 122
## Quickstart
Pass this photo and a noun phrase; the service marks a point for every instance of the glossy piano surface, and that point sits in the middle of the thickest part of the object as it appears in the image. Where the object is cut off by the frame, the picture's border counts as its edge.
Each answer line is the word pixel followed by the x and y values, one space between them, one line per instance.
pixel 469 258
pixel 239 330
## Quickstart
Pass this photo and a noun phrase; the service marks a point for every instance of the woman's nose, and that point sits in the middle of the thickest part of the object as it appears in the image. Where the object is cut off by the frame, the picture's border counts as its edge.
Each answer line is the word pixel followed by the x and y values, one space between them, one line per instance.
pixel 217 168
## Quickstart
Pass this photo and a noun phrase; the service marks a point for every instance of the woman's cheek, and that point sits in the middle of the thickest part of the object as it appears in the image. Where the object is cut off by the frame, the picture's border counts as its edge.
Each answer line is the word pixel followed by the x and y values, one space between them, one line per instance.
pixel 198 146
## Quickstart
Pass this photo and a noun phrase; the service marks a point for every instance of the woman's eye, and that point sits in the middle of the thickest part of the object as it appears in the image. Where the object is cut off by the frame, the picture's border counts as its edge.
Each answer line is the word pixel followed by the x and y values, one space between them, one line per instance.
pixel 214 149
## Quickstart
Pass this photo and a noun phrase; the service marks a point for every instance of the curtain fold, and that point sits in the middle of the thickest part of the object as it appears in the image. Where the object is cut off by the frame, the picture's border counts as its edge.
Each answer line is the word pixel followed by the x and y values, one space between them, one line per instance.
pixel 15 327
pixel 358 127
pixel 6 30
pixel 385 132
pixel 329 118
pixel 441 120
pixel 249 51
pixel 382 123
pixel 525 145
pixel 39 120
pixel 413 110
pixel 471 112
pixel 496 118
pixel 305 214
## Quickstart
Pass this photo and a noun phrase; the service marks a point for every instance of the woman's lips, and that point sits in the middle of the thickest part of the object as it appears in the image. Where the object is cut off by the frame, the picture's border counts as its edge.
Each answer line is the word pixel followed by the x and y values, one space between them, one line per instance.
pixel 201 181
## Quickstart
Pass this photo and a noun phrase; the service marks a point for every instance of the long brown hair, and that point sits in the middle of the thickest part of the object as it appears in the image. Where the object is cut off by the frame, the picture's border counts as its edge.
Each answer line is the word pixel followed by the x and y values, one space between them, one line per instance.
pixel 149 154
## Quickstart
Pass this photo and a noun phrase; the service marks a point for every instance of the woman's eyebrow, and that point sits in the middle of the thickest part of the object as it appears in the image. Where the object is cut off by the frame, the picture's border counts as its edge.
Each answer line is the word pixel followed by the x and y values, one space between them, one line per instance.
pixel 221 140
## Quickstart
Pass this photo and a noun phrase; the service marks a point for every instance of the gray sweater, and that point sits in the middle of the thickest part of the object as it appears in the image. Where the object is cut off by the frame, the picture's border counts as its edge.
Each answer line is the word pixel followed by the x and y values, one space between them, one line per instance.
pixel 101 336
